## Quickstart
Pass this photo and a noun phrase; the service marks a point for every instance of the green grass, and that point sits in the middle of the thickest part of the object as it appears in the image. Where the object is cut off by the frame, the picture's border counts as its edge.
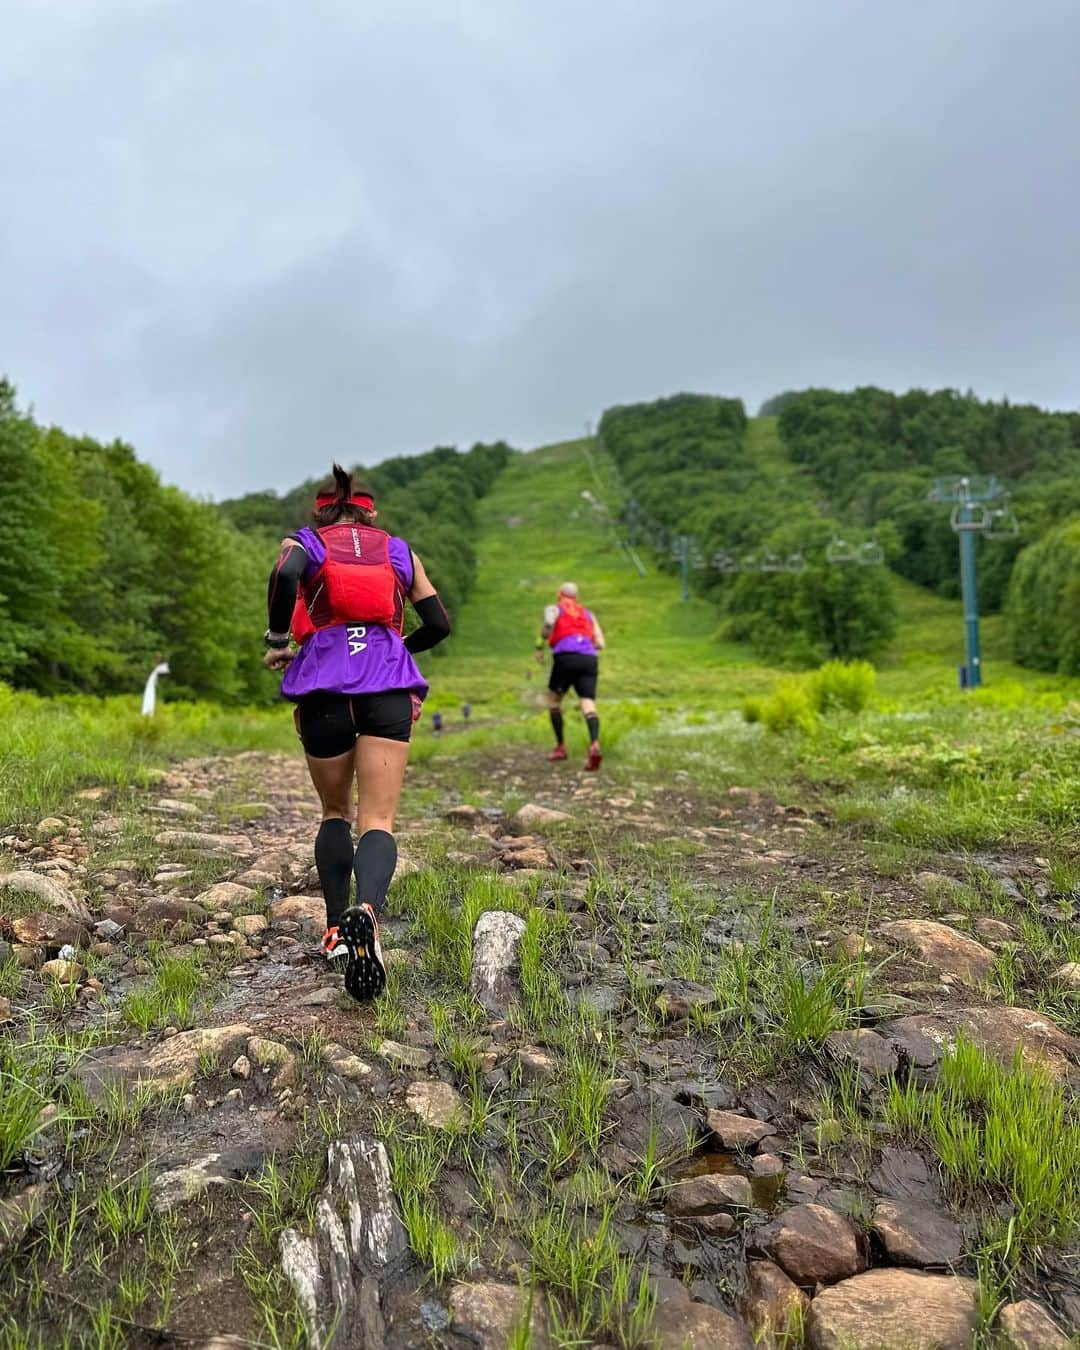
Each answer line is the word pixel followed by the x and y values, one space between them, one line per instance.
pixel 179 987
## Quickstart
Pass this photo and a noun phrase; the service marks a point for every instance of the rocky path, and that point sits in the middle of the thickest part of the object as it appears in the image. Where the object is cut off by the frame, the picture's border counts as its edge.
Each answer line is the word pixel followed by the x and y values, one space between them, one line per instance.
pixel 671 1024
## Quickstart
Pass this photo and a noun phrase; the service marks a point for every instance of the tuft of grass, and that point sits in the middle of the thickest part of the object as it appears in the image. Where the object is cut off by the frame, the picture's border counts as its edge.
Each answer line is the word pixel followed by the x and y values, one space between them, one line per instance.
pixel 177 989
pixel 1001 1134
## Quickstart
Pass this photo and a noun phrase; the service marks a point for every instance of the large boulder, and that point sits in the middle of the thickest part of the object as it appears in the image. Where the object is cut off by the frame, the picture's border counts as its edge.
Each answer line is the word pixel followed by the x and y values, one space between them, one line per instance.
pixel 895 1310
pixel 738 1132
pixel 308 911
pixel 943 948
pixel 1027 1325
pixel 490 1314
pixel 915 1234
pixel 773 1304
pixel 814 1245
pixel 681 1324
pixel 209 845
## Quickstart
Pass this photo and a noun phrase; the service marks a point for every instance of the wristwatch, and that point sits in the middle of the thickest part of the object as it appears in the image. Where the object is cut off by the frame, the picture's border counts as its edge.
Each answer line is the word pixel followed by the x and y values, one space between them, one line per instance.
pixel 276 640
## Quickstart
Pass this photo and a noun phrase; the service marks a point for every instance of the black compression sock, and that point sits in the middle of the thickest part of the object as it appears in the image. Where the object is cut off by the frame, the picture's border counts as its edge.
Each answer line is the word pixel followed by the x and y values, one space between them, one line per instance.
pixel 556 725
pixel 333 860
pixel 373 864
pixel 593 723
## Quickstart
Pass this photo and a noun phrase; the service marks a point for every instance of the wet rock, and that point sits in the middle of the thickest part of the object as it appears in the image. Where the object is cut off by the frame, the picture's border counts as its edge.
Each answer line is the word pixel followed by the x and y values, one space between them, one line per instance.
pixel 536 1064
pixel 866 1049
pixel 1027 1325
pixel 1068 975
pixel 535 817
pixel 181 1184
pixel 228 895
pixel 902 1173
pixel 814 1245
pixel 172 1064
pixel 772 1303
pixel 308 911
pixel 404 1056
pixel 45 891
pixel 914 1234
pixel 644 1116
pixel 997 1031
pixel 345 1063
pixel 437 1104
pixel 681 1324
pixel 737 1132
pixel 895 1310
pixel 679 998
pixel 491 1313
pixel 275 1060
pixel 64 972
pixel 20 1213
pixel 211 845
pixel 496 940
pixel 156 915
pixel 943 948
pixel 713 1191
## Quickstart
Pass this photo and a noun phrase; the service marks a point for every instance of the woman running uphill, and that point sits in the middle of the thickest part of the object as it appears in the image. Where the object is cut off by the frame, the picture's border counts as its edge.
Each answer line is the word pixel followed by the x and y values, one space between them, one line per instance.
pixel 574 637
pixel 340 589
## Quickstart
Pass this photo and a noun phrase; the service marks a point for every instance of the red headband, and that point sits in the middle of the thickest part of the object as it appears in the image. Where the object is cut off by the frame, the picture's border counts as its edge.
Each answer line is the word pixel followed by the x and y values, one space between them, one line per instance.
pixel 362 499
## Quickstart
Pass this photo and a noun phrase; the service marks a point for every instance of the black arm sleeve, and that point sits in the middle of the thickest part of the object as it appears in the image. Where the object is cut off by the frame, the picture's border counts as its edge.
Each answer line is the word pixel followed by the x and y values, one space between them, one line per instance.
pixel 281 588
pixel 434 625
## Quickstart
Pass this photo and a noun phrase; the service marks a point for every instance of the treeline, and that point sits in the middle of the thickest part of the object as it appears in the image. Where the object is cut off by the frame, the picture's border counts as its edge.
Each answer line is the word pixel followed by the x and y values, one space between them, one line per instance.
pixel 690 464
pixel 430 499
pixel 102 566
pixel 875 455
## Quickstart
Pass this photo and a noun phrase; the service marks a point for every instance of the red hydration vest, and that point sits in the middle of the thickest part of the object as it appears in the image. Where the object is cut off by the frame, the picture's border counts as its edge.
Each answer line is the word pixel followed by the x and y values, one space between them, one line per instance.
pixel 356 583
pixel 574 621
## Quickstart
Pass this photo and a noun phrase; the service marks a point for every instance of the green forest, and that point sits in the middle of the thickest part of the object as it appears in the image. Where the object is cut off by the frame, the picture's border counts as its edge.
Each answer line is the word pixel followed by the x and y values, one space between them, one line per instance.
pixel 103 566
pixel 820 465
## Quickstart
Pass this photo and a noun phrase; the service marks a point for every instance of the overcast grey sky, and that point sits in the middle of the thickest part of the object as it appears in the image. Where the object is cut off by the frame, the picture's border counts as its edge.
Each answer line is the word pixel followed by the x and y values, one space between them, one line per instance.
pixel 249 237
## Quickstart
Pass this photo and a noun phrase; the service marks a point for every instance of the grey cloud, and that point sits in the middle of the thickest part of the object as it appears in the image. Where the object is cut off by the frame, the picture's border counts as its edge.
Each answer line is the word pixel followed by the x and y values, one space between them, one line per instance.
pixel 248 237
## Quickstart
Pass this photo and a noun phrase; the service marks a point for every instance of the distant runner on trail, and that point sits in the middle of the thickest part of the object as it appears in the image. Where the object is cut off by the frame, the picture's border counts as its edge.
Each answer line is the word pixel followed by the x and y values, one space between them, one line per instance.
pixel 574 637
pixel 340 590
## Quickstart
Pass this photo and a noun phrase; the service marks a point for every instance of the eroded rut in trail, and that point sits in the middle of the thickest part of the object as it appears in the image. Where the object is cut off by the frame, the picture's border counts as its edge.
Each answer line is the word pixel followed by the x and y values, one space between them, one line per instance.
pixel 626 1032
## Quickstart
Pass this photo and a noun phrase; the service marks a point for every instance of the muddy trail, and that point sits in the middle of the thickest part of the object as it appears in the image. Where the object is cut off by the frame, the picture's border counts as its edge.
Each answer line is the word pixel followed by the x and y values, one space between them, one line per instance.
pixel 637 1077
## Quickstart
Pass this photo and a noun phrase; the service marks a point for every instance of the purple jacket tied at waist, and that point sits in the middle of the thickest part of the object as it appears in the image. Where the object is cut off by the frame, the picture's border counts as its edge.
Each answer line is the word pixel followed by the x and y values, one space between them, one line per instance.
pixel 353 658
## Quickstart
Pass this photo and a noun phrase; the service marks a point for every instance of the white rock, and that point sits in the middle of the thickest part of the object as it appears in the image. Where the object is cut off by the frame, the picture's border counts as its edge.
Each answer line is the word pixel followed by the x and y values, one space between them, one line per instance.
pixel 496 940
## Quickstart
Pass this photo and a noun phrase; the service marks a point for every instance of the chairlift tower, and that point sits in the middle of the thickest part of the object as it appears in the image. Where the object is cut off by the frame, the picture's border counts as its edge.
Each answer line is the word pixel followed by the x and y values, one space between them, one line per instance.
pixel 970 498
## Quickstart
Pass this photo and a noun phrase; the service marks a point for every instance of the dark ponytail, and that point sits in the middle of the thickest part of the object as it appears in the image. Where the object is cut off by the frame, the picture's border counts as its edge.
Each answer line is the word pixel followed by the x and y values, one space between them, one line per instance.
pixel 342 487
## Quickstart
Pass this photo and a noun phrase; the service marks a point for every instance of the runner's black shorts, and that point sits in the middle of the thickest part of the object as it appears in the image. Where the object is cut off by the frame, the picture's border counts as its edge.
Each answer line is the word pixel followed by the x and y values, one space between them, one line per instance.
pixel 329 724
pixel 573 670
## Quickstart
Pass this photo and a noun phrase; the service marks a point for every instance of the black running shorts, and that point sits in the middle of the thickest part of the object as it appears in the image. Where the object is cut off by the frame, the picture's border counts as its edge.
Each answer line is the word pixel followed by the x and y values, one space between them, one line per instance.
pixel 573 670
pixel 328 724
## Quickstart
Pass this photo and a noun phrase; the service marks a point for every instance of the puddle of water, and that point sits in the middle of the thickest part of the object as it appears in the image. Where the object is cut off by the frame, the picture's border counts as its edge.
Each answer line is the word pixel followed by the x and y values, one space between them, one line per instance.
pixel 765 1190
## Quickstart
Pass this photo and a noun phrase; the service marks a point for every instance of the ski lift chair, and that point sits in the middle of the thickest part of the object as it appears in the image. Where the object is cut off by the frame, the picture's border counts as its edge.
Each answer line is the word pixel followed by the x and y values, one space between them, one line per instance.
pixel 771 562
pixel 840 551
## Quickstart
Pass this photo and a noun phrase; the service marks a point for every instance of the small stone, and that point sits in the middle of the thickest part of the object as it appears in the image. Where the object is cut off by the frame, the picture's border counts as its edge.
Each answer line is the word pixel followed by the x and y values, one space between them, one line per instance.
pixel 737 1132
pixel 994 930
pixel 853 945
pixel 107 930
pixel 936 884
pixel 241 1068
pixel 943 948
pixel 45 891
pixel 680 998
pixel 1027 1325
pixel 187 1103
pixel 490 1314
pixel 766 1165
pixel 721 1224
pixel 681 1324
pixel 5 1010
pixel 496 941
pixel 1068 974
pixel 212 845
pixel 883 1309
pixel 403 1056
pixel 532 816
pixel 814 1245
pixel 536 1064
pixel 773 1305
pixel 306 910
pixel 161 913
pixel 18 1214
pixel 714 1190
pixel 469 817
pixel 274 1059
pixel 64 972
pixel 228 896
pixel 346 1064
pixel 437 1104
pixel 233 1095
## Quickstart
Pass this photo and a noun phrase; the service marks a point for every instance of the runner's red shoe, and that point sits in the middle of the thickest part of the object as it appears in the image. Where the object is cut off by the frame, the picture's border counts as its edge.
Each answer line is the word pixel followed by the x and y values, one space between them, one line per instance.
pixel 332 946
pixel 365 974
pixel 558 753
pixel 593 762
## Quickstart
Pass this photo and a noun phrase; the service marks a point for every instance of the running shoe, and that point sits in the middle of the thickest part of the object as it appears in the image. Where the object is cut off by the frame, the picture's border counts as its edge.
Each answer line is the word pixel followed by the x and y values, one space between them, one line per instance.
pixel 332 946
pixel 558 753
pixel 593 762
pixel 365 974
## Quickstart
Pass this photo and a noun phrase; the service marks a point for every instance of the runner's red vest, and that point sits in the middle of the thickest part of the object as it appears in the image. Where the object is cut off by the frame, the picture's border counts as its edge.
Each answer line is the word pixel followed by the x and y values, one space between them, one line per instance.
pixel 573 621
pixel 356 584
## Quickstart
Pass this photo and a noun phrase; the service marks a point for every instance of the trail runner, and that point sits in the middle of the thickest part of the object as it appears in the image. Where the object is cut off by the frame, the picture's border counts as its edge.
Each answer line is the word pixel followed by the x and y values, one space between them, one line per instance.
pixel 575 637
pixel 339 591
